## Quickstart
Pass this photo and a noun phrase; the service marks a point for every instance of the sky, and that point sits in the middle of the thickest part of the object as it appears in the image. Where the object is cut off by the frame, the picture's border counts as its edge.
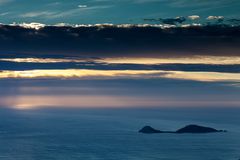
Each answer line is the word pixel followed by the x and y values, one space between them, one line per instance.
pixel 111 11
pixel 155 53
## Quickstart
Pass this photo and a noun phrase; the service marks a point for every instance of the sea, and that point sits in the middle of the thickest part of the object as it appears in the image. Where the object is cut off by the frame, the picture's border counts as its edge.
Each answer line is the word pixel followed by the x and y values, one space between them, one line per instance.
pixel 112 134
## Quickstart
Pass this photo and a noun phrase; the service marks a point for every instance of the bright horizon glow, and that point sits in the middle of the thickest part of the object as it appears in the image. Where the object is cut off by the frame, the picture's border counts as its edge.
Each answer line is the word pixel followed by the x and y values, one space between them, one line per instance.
pixel 26 102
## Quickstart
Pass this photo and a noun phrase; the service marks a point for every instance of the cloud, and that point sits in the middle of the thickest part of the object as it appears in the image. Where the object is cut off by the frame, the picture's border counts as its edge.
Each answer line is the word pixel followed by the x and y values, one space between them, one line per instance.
pixel 194 17
pixel 32 25
pixel 82 6
pixel 198 60
pixel 127 39
pixel 118 74
pixel 215 18
pixel 55 14
pixel 187 64
pixel 4 13
pixel 170 21
pixel 80 10
pixel 218 19
pixel 173 21
pixel 37 14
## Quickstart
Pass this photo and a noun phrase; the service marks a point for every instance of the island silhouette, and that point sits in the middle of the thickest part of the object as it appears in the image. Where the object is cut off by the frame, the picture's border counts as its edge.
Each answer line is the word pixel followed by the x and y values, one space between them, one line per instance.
pixel 187 129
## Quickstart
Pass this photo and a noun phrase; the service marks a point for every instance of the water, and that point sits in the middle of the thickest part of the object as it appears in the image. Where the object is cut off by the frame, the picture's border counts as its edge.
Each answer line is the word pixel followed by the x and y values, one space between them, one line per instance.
pixel 111 134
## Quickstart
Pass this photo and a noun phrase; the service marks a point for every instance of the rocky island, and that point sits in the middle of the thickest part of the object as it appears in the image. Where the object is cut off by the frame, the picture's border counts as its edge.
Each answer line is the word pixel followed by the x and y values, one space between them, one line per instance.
pixel 187 129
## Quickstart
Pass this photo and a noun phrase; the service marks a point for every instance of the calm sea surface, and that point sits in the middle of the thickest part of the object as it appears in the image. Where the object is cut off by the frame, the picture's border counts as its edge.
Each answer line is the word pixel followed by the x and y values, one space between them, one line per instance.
pixel 112 134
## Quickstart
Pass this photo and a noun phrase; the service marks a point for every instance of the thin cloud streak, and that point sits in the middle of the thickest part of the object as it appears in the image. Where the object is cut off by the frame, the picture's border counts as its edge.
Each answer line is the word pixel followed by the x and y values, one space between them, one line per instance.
pixel 125 74
pixel 37 14
pixel 77 11
pixel 220 60
pixel 216 60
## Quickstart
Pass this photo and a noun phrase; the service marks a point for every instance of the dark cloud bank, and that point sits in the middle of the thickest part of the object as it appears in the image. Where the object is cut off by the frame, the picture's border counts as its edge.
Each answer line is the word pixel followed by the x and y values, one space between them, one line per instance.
pixel 133 40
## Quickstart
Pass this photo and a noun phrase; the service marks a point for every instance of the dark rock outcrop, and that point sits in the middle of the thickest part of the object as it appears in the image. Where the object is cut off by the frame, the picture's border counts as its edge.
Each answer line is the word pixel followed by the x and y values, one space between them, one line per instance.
pixel 149 129
pixel 196 129
pixel 187 129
